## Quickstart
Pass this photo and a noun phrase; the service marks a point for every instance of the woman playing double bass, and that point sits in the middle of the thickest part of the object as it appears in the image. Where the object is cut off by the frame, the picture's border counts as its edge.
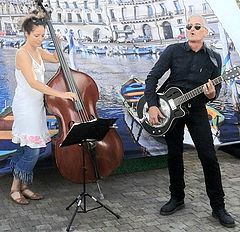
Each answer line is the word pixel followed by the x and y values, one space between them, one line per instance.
pixel 30 130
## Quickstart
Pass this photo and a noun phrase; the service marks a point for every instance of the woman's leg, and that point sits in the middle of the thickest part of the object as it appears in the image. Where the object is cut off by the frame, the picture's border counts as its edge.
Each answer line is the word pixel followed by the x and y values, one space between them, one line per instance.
pixel 15 193
pixel 23 164
pixel 17 155
pixel 16 184
pixel 23 169
pixel 29 161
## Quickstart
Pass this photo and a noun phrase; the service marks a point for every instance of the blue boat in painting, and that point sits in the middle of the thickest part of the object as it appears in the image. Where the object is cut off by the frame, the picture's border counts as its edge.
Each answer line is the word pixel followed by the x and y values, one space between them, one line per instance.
pixel 132 90
pixel 100 50
pixel 126 51
pixel 143 50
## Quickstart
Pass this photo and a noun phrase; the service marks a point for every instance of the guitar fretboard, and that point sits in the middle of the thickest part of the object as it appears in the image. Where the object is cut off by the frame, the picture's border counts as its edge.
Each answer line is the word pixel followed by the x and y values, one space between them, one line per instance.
pixel 193 93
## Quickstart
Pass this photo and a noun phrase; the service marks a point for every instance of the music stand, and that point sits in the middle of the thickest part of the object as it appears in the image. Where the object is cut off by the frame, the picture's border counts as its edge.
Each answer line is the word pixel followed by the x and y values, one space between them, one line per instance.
pixel 82 133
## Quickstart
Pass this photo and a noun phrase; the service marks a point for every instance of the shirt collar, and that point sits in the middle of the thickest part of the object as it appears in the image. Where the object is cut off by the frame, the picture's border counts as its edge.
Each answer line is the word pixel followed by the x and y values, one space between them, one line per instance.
pixel 188 48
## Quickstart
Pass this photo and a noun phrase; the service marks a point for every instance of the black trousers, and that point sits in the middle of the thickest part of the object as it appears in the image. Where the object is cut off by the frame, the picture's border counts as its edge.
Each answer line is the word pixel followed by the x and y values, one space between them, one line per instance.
pixel 200 131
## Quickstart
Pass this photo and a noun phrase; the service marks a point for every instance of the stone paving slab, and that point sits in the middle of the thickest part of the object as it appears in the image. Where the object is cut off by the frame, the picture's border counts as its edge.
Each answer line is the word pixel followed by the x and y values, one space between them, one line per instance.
pixel 136 197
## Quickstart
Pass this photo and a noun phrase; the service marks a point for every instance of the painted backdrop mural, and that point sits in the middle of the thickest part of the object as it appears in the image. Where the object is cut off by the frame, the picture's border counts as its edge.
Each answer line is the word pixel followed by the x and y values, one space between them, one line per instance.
pixel 119 60
pixel 120 79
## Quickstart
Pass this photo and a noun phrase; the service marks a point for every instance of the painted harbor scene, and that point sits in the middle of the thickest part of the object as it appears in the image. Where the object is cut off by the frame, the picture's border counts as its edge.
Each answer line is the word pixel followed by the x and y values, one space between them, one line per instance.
pixel 120 80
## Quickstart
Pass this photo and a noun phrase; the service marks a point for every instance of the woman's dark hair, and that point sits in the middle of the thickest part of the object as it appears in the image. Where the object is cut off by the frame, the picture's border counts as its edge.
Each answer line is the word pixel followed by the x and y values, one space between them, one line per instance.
pixel 31 21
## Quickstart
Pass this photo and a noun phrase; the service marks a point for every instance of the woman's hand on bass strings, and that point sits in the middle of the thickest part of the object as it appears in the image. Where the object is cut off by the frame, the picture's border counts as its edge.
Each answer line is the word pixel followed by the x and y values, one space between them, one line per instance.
pixel 70 96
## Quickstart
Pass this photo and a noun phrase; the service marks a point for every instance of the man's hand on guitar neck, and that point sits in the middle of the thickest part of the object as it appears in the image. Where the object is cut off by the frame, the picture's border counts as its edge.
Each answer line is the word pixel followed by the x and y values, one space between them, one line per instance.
pixel 155 115
pixel 209 90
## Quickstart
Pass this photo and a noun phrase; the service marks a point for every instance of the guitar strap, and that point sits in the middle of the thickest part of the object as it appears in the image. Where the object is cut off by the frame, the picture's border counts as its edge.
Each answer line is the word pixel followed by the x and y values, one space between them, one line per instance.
pixel 212 56
pixel 162 86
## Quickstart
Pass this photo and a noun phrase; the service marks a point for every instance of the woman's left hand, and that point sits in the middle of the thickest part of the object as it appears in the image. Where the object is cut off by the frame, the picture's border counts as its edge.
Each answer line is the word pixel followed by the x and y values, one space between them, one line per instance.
pixel 59 38
pixel 209 90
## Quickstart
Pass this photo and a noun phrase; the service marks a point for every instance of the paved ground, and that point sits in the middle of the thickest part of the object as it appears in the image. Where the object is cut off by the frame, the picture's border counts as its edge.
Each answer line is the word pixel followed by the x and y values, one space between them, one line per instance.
pixel 136 197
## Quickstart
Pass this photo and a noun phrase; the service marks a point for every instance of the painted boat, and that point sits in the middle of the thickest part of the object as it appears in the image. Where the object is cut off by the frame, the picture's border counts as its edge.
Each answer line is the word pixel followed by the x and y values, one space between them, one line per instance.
pixel 7 148
pixel 143 50
pixel 100 50
pixel 126 51
pixel 132 91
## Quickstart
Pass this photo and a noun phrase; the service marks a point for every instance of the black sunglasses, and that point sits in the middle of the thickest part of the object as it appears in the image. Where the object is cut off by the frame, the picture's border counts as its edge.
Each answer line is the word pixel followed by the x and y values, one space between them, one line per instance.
pixel 38 21
pixel 197 27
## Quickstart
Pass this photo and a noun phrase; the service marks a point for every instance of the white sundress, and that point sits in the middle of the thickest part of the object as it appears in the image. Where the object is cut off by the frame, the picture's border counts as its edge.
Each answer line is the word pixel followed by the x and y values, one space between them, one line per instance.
pixel 30 121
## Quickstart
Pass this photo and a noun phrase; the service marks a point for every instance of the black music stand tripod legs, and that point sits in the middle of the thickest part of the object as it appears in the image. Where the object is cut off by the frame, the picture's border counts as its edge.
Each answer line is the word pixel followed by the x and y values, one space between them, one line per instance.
pixel 81 200
pixel 82 134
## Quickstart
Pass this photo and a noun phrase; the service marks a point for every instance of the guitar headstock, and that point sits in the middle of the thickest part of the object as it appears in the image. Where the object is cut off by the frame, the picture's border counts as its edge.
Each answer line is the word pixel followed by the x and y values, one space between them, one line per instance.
pixel 233 73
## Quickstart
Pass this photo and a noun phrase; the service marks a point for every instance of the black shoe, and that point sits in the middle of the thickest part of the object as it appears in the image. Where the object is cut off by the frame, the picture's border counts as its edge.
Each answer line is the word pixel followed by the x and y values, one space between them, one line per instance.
pixel 172 206
pixel 224 218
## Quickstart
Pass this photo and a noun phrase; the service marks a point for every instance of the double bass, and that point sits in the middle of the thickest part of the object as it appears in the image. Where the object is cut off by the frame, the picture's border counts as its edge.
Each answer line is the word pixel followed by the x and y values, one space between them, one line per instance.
pixel 106 154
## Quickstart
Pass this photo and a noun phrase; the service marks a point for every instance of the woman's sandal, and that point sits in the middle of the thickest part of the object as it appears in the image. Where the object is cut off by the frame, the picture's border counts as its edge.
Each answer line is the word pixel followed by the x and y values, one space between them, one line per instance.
pixel 26 192
pixel 21 200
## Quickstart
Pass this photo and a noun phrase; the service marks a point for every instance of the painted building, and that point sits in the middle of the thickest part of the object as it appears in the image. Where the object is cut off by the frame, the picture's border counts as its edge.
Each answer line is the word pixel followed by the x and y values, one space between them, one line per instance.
pixel 11 11
pixel 157 19
pixel 96 19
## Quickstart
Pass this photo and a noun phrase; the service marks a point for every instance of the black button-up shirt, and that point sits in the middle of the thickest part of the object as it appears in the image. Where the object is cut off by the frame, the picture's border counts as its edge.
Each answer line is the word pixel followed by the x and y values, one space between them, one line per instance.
pixel 188 70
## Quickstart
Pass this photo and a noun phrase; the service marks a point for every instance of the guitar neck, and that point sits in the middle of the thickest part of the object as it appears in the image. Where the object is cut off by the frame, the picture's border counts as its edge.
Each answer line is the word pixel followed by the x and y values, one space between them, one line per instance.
pixel 195 92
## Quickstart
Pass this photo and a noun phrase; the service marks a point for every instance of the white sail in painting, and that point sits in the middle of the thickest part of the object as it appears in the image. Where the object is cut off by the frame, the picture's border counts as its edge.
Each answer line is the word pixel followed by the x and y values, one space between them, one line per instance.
pixel 228 14
pixel 71 48
pixel 228 25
